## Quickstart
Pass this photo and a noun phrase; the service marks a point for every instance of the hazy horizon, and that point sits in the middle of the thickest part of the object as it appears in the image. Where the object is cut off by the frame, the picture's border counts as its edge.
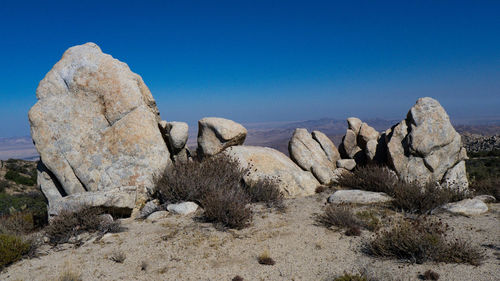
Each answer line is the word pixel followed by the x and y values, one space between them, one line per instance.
pixel 262 61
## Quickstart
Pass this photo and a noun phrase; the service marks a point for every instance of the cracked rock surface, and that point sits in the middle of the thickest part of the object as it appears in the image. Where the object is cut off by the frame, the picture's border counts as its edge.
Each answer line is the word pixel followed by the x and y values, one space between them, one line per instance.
pixel 95 126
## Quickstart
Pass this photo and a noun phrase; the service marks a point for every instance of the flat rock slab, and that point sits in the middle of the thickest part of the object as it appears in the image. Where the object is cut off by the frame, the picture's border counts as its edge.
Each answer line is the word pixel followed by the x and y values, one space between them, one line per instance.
pixel 158 215
pixel 467 207
pixel 183 208
pixel 358 197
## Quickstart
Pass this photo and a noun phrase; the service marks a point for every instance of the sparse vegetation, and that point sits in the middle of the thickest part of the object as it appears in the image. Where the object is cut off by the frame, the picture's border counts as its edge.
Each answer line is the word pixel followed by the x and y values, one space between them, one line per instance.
pixel 430 275
pixel 118 257
pixel 265 259
pixel 266 191
pixel 408 196
pixel 214 183
pixel 369 220
pixel 31 205
pixel 342 217
pixel 12 249
pixel 69 275
pixel 489 186
pixel 422 240
pixel 483 168
pixel 72 223
pixel 351 277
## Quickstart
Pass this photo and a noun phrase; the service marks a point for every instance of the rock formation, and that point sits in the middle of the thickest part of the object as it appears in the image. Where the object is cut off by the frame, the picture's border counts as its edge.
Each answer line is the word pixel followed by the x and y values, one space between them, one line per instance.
pixel 361 143
pixel 315 153
pixel 176 137
pixel 425 147
pixel 216 134
pixel 95 126
pixel 269 163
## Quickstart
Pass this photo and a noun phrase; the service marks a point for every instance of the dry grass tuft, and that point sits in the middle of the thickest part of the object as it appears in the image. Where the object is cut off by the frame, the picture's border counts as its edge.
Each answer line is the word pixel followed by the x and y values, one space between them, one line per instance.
pixel 118 257
pixel 265 259
pixel 342 217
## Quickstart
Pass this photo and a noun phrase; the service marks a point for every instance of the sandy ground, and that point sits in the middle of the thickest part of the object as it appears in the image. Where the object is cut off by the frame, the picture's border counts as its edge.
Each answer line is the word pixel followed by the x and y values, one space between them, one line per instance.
pixel 183 248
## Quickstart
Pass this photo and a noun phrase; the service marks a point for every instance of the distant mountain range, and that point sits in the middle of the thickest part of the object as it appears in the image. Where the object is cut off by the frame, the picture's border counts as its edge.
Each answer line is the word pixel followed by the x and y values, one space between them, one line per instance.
pixel 270 134
pixel 17 148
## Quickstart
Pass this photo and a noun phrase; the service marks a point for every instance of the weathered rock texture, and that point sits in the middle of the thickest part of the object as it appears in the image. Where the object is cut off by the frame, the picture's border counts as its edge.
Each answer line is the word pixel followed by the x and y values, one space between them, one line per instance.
pixel 95 126
pixel 216 134
pixel 176 136
pixel 315 153
pixel 361 143
pixel 358 197
pixel 264 162
pixel 425 147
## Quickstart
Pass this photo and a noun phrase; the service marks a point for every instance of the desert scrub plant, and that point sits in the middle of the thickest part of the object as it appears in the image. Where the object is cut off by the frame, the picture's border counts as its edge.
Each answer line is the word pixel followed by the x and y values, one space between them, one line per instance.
pixel 17 223
pixel 410 197
pixel 351 277
pixel 340 216
pixel 33 203
pixel 430 275
pixel 369 220
pixel 12 249
pixel 371 177
pixel 489 186
pixel 71 223
pixel 228 207
pixel 422 240
pixel 422 199
pixel 215 183
pixel 69 275
pixel 266 191
pixel 189 181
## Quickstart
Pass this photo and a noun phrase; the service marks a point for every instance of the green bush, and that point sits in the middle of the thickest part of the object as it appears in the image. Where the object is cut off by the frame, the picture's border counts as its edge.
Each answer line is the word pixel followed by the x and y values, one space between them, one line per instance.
pixel 12 249
pixel 20 179
pixel 17 223
pixel 33 203
pixel 483 168
pixel 3 185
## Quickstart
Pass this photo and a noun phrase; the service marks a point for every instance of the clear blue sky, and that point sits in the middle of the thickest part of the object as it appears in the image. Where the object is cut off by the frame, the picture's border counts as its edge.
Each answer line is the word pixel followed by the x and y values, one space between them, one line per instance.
pixel 255 61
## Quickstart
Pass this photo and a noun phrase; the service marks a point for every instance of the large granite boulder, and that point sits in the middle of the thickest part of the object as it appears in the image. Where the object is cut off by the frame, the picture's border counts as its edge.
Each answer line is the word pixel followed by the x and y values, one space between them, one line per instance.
pixel 216 134
pixel 176 136
pixel 425 147
pixel 362 143
pixel 95 126
pixel 309 154
pixel 264 162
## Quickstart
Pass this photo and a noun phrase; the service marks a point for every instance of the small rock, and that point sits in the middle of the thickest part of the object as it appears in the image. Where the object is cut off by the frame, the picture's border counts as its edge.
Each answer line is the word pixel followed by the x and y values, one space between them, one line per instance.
pixel 183 208
pixel 467 207
pixel 486 198
pixel 149 208
pixel 358 197
pixel 158 215
pixel 348 164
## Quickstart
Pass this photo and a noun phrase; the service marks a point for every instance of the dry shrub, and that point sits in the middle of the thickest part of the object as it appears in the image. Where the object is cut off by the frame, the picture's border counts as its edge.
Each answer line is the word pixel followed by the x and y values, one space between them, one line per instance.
pixel 415 198
pixel 12 248
pixel 188 181
pixel 369 220
pixel 422 240
pixel 351 277
pixel 84 219
pixel 266 191
pixel 370 178
pixel 489 186
pixel 227 206
pixel 408 196
pixel 265 259
pixel 342 217
pixel 17 223
pixel 216 184
pixel 430 275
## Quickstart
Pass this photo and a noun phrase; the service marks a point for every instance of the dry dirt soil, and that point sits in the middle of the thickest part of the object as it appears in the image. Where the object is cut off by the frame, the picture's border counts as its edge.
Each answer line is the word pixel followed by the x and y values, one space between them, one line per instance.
pixel 184 248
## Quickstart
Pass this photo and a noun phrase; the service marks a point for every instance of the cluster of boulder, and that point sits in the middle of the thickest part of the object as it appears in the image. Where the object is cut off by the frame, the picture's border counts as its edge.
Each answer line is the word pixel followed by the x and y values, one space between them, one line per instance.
pixel 102 142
